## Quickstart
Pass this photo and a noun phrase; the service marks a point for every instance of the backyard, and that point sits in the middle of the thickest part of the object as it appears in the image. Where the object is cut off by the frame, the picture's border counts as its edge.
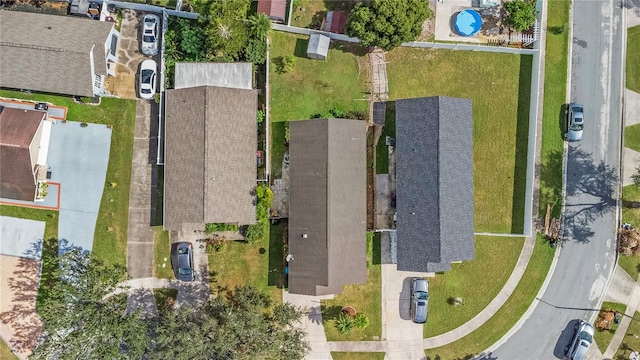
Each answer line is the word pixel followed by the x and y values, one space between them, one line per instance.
pixel 260 264
pixel 313 87
pixel 477 282
pixel 499 86
pixel 113 217
pixel 365 298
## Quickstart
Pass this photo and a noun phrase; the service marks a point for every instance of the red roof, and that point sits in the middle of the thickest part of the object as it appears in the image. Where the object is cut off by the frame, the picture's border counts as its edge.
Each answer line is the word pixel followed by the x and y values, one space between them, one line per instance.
pixel 275 9
pixel 338 22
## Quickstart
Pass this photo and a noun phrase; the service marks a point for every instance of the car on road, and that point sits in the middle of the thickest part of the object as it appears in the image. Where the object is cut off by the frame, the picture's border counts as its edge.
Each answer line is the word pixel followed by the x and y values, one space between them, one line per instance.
pixel 147 79
pixel 182 261
pixel 419 300
pixel 575 122
pixel 582 339
pixel 150 25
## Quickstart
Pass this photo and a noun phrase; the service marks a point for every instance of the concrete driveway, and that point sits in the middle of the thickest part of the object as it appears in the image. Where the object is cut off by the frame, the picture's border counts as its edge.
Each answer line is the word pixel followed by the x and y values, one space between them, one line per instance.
pixel 78 159
pixel 21 237
pixel 404 336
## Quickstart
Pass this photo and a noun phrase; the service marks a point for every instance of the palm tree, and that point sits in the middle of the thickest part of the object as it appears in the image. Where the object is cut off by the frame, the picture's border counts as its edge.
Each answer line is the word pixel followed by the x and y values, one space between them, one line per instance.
pixel 259 25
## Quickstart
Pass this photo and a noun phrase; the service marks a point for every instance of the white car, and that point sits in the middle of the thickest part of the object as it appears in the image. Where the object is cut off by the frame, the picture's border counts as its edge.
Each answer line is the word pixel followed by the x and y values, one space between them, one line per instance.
pixel 150 26
pixel 147 79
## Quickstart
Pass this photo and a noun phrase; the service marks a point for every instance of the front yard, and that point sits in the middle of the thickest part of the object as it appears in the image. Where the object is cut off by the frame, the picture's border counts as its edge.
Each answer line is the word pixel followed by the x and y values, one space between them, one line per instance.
pixel 110 242
pixel 499 86
pixel 365 298
pixel 631 264
pixel 477 282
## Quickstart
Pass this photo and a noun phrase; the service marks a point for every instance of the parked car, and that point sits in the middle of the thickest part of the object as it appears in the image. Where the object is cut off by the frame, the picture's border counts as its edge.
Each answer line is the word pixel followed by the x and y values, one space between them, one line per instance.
pixel 582 339
pixel 419 300
pixel 575 122
pixel 182 261
pixel 260 157
pixel 150 26
pixel 147 79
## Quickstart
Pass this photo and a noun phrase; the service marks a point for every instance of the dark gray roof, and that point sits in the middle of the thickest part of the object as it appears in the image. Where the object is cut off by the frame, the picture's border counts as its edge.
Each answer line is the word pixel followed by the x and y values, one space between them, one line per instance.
pixel 210 156
pixel 51 53
pixel 327 203
pixel 234 75
pixel 434 174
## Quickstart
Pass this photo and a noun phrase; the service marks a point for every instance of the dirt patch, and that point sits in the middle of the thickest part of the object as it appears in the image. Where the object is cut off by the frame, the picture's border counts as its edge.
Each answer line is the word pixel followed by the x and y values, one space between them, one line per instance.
pixel 429 26
pixel 20 326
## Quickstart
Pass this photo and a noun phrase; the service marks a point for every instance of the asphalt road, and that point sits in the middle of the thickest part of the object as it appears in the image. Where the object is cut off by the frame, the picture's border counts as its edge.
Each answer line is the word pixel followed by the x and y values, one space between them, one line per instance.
pixel 588 252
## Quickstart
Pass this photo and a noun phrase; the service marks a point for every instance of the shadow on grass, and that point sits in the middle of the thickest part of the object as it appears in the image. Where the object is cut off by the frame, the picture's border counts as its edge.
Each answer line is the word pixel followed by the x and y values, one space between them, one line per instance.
pixel 551 178
pixel 330 312
pixel 301 48
pixel 522 140
pixel 562 120
pixel 278 147
pixel 276 254
pixel 389 129
pixel 466 357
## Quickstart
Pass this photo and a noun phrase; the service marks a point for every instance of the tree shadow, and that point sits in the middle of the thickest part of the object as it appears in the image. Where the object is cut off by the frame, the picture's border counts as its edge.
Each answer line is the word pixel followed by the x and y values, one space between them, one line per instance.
pixel 317 19
pixel 376 249
pixel 551 182
pixel 522 141
pixel 277 235
pixel 353 48
pixel 330 312
pixel 483 356
pixel 595 184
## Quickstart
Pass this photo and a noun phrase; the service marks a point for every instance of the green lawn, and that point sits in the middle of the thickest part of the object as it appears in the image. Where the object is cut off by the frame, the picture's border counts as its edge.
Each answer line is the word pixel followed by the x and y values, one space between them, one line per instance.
pixel 314 87
pixel 632 137
pixel 633 58
pixel 555 84
pixel 260 264
pixel 357 356
pixel 603 338
pixel 161 249
pixel 110 242
pixel 49 245
pixel 365 298
pixel 631 264
pixel 495 258
pixel 278 147
pixel 499 86
pixel 631 339
pixel 7 354
pixel 492 330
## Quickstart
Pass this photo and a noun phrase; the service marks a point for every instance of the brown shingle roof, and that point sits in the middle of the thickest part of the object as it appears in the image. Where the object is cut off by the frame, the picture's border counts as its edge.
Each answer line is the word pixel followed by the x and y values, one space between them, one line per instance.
pixel 210 160
pixel 327 203
pixel 17 130
pixel 51 53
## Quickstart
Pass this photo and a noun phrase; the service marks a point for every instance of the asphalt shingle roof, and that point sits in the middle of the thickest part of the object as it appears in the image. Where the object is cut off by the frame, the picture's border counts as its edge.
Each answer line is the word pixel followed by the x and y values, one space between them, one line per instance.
pixel 18 127
pixel 327 204
pixel 210 160
pixel 51 53
pixel 434 174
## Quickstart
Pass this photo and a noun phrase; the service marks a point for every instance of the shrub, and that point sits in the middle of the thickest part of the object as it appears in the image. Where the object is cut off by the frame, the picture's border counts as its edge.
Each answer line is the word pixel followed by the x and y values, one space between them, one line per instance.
pixel 287 63
pixel 255 232
pixel 361 321
pixel 261 116
pixel 521 14
pixel 345 323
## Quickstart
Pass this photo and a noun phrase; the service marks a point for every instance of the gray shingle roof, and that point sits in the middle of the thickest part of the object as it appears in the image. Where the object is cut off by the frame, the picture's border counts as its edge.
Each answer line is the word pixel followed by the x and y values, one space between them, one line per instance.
pixel 210 160
pixel 51 53
pixel 327 202
pixel 234 75
pixel 434 173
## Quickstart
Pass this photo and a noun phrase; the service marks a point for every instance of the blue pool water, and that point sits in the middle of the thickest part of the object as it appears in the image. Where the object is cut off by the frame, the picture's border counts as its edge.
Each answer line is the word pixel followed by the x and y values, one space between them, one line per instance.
pixel 468 22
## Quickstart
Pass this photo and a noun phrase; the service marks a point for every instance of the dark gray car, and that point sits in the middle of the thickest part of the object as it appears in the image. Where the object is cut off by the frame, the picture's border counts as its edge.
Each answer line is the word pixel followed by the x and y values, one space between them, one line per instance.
pixel 182 261
pixel 419 300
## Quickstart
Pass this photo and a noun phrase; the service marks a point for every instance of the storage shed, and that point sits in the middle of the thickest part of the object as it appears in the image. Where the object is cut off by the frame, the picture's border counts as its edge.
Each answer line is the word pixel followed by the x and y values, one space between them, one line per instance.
pixel 318 47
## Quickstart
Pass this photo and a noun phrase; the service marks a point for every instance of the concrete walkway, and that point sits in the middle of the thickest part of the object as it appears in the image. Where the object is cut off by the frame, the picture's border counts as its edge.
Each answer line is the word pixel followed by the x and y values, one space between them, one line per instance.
pixel 312 324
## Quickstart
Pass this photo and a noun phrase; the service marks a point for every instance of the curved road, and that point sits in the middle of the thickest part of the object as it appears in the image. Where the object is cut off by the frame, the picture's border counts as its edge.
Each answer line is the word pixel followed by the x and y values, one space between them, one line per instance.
pixel 587 256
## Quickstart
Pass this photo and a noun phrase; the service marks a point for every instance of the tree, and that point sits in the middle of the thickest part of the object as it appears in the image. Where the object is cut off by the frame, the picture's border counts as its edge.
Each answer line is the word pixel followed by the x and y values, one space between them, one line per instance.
pixel 520 14
pixel 259 26
pixel 636 177
pixel 79 322
pixel 237 326
pixel 225 26
pixel 387 23
pixel 256 52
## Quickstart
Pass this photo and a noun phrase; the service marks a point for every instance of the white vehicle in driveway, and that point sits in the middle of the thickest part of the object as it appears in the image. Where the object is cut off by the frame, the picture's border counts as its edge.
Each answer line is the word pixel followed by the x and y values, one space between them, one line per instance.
pixel 147 88
pixel 150 25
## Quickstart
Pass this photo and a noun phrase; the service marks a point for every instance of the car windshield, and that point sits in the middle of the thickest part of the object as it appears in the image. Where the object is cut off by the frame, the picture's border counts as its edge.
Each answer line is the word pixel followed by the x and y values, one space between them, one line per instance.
pixel 585 336
pixel 149 38
pixel 421 295
pixel 576 127
pixel 146 76
pixel 184 271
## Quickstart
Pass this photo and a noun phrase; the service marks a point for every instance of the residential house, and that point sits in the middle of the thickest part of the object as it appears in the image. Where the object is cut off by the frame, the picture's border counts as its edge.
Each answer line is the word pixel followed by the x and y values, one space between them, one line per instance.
pixel 210 157
pixel 434 174
pixel 327 205
pixel 23 149
pixel 56 54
